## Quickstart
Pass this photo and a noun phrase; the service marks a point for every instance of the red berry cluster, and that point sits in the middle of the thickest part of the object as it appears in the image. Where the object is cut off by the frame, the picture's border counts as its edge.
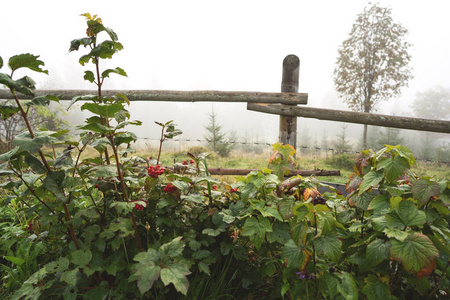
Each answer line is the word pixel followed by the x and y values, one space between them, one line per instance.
pixel 190 162
pixel 169 188
pixel 155 171
pixel 139 206
pixel 233 190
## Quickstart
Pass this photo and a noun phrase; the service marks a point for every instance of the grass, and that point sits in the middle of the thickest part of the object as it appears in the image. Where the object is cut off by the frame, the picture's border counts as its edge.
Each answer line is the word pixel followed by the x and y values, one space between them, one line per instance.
pixel 240 159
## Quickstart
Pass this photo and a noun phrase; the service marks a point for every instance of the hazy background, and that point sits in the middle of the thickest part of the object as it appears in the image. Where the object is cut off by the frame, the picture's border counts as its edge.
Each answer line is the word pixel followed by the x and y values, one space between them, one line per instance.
pixel 222 45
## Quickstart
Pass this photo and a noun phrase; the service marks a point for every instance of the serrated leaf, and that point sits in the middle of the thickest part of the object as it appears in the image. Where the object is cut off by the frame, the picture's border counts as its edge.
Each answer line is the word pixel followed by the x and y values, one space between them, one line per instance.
pixel 348 287
pixel 405 215
pixel 7 111
pixel 89 76
pixel 417 254
pixel 26 61
pixel 201 254
pixel 81 257
pixel 26 142
pixel 117 70
pixel 174 248
pixel 57 266
pixel 297 257
pixel 146 274
pixel 423 190
pixel 80 98
pixel 405 153
pixel 176 274
pixel 393 167
pixel 104 171
pixel 396 234
pixel 255 229
pixel 377 251
pixel 329 245
pixel 70 277
pixel 124 138
pixel 270 212
pixel 380 204
pixel 280 233
pixel 211 231
pixel 25 85
pixel 104 110
pixel 54 182
pixel 375 289
pixel 35 164
pixel 370 180
pixel 4 157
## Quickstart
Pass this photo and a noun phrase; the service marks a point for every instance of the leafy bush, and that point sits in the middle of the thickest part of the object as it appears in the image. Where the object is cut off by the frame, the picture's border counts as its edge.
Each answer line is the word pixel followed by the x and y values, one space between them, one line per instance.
pixel 341 161
pixel 112 226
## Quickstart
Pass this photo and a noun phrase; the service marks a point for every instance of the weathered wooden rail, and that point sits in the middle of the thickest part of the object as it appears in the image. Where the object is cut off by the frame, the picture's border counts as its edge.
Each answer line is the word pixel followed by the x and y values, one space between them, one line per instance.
pixel 177 96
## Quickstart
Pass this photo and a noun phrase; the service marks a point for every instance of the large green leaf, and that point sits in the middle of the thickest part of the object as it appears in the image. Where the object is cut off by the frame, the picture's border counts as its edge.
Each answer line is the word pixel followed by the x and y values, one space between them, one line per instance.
pixel 26 142
pixel 371 180
pixel 117 70
pixel 348 287
pixel 42 100
pixel 375 289
pixel 361 200
pixel 64 159
pixel 81 257
pixel 70 276
pixel 26 61
pixel 54 182
pixel 35 164
pixel 423 190
pixel 280 233
pixel 173 248
pixel 25 85
pixel 7 155
pixel 7 111
pixel 176 274
pixel 255 229
pixel 377 251
pixel 405 215
pixel 329 245
pixel 146 274
pixel 393 167
pixel 380 204
pixel 417 254
pixel 89 76
pixel 104 171
pixel 104 110
pixel 297 257
pixel 405 153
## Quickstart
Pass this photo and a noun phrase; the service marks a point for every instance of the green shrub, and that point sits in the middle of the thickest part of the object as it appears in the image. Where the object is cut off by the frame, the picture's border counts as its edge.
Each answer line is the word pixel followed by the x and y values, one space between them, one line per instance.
pixel 109 227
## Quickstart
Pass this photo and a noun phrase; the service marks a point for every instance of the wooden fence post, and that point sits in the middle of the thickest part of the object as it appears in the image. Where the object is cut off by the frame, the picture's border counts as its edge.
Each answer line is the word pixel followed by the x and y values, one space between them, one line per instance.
pixel 289 84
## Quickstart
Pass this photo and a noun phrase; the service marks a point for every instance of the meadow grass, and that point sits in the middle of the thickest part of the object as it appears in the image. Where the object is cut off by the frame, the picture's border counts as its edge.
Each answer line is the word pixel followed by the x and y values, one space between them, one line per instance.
pixel 241 159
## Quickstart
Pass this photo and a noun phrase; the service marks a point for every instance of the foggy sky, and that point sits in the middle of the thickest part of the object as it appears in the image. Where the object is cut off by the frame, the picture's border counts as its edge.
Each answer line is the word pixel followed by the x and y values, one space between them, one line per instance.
pixel 221 45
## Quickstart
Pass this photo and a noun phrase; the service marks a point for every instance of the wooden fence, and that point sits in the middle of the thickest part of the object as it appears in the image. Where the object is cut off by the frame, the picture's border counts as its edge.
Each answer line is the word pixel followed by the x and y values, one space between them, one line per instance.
pixel 283 104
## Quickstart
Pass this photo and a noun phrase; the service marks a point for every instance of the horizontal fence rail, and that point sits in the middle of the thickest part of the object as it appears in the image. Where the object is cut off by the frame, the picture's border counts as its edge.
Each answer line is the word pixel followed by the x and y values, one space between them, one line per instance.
pixel 354 117
pixel 176 96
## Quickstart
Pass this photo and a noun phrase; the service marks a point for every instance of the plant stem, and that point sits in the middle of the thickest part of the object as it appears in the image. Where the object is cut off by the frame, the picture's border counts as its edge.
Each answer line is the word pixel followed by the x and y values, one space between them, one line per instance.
pixel 30 130
pixel 436 286
pixel 125 194
pixel 160 144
